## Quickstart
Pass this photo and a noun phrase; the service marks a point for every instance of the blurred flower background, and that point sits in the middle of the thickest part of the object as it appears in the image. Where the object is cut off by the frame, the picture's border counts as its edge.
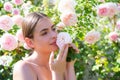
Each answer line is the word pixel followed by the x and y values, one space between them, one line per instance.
pixel 94 26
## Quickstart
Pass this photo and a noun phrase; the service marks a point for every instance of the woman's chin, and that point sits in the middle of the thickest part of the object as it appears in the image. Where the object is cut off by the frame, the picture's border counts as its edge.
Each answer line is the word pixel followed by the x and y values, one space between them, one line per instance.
pixel 55 48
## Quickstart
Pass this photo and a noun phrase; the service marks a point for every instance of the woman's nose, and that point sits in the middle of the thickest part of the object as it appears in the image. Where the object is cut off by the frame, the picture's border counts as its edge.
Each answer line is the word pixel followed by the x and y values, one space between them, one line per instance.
pixel 54 34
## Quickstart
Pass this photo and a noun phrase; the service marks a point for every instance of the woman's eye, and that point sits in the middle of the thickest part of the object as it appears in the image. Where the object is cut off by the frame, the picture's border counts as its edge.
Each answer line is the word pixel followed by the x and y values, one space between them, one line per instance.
pixel 44 33
pixel 54 29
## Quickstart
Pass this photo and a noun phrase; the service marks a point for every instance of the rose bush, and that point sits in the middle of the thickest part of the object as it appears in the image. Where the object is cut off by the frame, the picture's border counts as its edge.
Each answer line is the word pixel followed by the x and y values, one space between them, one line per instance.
pixel 94 26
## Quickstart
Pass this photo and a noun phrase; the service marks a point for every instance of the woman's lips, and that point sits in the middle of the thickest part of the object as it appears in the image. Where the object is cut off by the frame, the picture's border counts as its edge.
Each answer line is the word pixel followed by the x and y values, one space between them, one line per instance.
pixel 53 43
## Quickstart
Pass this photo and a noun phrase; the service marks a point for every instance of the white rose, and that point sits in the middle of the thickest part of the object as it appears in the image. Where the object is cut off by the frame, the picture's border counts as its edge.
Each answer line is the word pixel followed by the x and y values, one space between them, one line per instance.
pixel 63 38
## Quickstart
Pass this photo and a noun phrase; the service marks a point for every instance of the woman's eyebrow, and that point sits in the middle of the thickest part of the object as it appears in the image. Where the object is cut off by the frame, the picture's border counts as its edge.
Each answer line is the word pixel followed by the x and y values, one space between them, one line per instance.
pixel 45 29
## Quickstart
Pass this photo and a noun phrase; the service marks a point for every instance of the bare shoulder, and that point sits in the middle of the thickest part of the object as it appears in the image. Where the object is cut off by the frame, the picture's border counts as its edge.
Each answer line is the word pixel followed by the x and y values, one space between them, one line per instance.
pixel 20 65
pixel 23 71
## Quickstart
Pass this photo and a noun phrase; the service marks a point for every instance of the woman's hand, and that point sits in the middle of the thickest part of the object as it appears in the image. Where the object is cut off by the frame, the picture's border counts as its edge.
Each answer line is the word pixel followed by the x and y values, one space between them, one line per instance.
pixel 58 65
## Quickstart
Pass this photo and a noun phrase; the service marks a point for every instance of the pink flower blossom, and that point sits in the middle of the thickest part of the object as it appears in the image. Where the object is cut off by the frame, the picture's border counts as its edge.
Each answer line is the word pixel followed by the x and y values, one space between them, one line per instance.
pixel 68 5
pixel 60 26
pixel 17 19
pixel 92 36
pixel 63 38
pixel 6 23
pixel 18 2
pixel 119 7
pixel 107 9
pixel 19 35
pixel 113 36
pixel 118 25
pixel 15 11
pixel 8 6
pixel 8 42
pixel 69 18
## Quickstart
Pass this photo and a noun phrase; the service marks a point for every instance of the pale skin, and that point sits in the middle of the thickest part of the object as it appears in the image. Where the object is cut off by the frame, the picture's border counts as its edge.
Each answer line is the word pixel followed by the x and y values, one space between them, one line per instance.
pixel 42 65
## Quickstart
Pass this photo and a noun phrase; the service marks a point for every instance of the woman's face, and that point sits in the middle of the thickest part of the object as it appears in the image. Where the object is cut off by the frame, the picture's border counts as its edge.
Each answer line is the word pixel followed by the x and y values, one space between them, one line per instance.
pixel 45 36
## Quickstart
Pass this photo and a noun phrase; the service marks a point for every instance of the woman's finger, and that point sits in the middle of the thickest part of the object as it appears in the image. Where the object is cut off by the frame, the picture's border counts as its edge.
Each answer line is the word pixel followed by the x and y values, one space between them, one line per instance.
pixel 65 52
pixel 61 52
pixel 74 47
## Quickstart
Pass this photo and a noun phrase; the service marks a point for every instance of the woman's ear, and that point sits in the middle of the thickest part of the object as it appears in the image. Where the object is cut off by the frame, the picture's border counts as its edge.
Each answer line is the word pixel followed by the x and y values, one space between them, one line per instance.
pixel 29 43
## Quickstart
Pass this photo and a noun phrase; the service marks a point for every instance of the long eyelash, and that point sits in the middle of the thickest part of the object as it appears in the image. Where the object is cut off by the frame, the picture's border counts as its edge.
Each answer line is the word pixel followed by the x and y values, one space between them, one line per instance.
pixel 44 33
pixel 54 28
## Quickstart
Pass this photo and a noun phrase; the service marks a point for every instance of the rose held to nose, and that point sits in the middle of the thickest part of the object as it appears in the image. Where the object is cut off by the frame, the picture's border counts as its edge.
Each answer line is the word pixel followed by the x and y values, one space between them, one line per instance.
pixel 62 39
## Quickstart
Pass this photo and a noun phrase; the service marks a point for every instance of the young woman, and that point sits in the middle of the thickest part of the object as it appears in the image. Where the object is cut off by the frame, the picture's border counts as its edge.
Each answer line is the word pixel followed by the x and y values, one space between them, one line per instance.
pixel 40 35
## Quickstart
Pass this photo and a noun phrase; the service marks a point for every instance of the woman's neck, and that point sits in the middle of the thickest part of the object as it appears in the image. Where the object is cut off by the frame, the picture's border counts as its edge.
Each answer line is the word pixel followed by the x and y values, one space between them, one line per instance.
pixel 40 59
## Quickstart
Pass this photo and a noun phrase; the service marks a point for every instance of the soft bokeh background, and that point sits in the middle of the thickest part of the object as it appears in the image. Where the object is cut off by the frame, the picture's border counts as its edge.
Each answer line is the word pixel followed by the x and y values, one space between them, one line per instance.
pixel 94 26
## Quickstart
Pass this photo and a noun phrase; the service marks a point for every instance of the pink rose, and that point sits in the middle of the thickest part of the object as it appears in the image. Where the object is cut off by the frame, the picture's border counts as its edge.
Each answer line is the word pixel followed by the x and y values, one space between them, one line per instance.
pixel 8 6
pixel 69 18
pixel 102 11
pixel 6 23
pixel 107 9
pixel 8 42
pixel 60 26
pixel 92 36
pixel 18 2
pixel 113 36
pixel 17 19
pixel 119 7
pixel 118 25
pixel 63 38
pixel 15 11
pixel 68 5
pixel 19 35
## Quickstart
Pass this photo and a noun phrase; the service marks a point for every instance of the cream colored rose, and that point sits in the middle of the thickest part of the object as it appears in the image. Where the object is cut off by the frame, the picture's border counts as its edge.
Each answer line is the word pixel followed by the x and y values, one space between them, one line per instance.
pixel 60 26
pixel 63 38
pixel 69 18
pixel 92 36
pixel 68 5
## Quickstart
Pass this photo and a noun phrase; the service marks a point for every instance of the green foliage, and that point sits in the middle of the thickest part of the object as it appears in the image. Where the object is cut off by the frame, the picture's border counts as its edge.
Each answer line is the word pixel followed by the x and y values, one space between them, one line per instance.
pixel 98 61
pixel 5 72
